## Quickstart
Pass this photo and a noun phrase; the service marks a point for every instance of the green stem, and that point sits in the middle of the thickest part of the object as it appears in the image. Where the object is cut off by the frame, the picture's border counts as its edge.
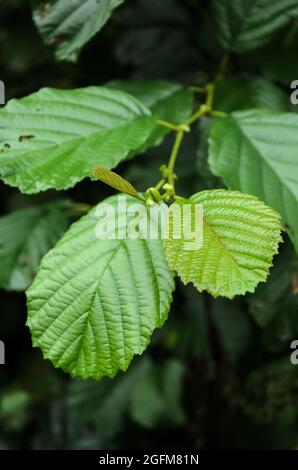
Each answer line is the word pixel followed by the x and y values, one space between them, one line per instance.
pixel 218 114
pixel 198 89
pixel 168 125
pixel 205 109
pixel 201 112
pixel 173 157
pixel 210 96
pixel 160 184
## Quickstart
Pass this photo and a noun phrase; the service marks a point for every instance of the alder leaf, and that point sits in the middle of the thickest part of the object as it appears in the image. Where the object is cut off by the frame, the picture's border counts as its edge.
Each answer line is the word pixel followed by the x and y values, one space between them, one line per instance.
pixel 167 100
pixel 95 302
pixel 244 25
pixel 256 152
pixel 69 24
pixel 54 138
pixel 240 237
pixel 25 237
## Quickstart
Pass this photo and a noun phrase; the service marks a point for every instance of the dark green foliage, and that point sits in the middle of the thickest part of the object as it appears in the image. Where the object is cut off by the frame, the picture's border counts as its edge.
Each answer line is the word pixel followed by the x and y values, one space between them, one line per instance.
pixel 218 375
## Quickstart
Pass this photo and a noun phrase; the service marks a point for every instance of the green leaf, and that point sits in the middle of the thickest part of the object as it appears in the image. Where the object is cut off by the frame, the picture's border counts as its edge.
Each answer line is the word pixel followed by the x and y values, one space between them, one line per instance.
pixel 68 25
pixel 54 138
pixel 157 397
pixel 25 237
pixel 247 24
pixel 95 302
pixel 256 152
pixel 115 181
pixel 206 178
pixel 240 237
pixel 168 101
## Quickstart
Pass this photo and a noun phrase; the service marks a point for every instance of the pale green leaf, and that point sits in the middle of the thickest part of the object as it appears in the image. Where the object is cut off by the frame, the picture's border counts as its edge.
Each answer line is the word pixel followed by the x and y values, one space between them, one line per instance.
pixel 240 237
pixel 25 237
pixel 95 302
pixel 115 181
pixel 167 100
pixel 256 152
pixel 68 25
pixel 54 138
pixel 247 24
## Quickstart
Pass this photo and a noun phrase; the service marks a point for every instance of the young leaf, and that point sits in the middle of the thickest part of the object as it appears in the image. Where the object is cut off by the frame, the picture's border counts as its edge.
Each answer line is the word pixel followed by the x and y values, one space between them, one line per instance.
pixel 95 302
pixel 54 138
pixel 166 100
pixel 115 181
pixel 69 24
pixel 256 152
pixel 246 24
pixel 26 236
pixel 240 237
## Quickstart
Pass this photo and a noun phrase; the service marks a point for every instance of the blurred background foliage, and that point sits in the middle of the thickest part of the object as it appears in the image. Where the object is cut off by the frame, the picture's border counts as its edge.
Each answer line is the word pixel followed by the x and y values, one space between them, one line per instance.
pixel 218 375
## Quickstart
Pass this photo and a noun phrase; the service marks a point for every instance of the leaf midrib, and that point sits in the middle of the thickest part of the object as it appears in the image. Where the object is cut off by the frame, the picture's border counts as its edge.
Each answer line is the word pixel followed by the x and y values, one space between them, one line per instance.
pixel 221 243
